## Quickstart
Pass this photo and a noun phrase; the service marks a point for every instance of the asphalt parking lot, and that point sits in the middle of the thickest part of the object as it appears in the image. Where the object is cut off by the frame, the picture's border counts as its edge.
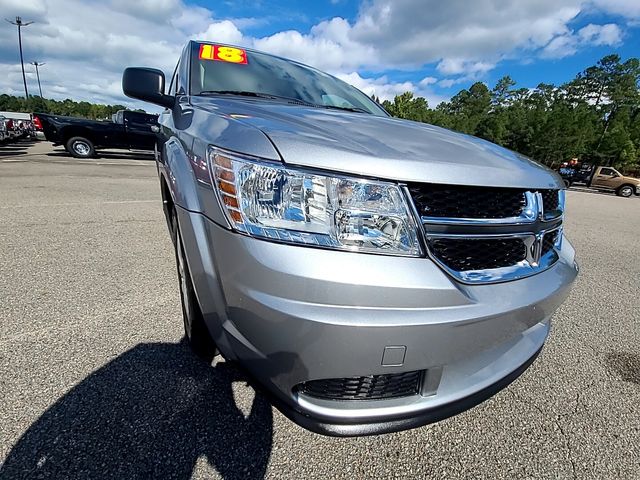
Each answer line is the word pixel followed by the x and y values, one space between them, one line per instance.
pixel 96 382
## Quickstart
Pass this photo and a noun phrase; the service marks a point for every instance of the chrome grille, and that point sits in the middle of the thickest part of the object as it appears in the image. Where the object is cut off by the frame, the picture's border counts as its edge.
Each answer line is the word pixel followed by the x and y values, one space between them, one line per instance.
pixel 487 234
pixel 368 387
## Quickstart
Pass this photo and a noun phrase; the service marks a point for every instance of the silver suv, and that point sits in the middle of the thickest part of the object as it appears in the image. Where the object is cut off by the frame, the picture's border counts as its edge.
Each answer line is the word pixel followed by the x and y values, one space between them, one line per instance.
pixel 371 274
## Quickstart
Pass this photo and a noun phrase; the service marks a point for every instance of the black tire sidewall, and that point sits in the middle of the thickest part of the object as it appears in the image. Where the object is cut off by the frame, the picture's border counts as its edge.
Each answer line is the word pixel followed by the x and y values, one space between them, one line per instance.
pixel 70 149
pixel 195 329
pixel 623 188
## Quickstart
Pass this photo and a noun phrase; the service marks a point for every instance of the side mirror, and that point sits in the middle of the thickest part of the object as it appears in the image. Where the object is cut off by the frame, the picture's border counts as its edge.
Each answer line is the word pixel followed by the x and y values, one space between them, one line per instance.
pixel 146 84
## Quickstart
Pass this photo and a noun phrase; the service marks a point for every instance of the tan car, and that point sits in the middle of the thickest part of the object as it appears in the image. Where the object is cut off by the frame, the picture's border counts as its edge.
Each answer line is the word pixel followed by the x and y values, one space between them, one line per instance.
pixel 607 178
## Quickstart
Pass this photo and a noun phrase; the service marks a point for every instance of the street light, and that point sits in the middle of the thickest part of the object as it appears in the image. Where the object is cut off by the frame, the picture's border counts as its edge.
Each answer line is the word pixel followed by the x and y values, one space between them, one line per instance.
pixel 38 75
pixel 21 24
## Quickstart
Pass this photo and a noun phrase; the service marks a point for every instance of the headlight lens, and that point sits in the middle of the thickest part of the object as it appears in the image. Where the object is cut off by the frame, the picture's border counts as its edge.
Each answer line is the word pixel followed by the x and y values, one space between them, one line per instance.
pixel 268 200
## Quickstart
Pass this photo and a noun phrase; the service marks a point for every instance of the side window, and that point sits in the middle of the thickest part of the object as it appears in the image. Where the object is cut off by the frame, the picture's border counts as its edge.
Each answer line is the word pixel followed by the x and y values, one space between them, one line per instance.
pixel 120 117
pixel 606 171
pixel 135 117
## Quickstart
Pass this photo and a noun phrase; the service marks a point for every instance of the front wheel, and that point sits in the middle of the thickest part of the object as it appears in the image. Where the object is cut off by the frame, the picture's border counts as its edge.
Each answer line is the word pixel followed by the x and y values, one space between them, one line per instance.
pixel 625 191
pixel 195 328
pixel 80 147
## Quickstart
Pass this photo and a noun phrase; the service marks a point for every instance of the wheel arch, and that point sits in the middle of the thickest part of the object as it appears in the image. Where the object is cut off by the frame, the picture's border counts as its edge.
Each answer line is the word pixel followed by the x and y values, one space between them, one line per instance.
pixel 69 132
pixel 168 205
pixel 630 185
pixel 180 181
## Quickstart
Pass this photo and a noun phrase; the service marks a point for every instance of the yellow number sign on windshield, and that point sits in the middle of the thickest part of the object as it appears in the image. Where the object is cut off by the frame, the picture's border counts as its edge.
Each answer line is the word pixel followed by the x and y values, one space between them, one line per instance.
pixel 223 54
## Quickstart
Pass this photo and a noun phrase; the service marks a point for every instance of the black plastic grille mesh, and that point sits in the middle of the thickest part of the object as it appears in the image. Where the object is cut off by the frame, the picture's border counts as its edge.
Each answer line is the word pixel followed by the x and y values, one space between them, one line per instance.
pixel 369 387
pixel 548 241
pixel 550 200
pixel 455 201
pixel 467 202
pixel 478 254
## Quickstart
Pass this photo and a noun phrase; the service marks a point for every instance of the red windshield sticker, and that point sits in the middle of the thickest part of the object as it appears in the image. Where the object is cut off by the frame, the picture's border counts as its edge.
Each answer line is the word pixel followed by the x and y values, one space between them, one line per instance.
pixel 223 54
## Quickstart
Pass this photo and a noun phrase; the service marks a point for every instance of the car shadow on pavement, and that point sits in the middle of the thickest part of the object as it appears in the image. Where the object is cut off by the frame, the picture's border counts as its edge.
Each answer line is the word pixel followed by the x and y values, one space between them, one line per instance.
pixel 13 149
pixel 152 412
pixel 145 157
pixel 593 191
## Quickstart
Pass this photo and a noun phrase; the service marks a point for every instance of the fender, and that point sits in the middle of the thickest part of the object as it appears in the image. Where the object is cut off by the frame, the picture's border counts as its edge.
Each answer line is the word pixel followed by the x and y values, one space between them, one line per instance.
pixel 178 172
pixel 184 161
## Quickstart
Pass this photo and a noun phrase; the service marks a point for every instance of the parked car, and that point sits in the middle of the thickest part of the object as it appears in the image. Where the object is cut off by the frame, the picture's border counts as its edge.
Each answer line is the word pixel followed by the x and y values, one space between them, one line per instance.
pixel 371 274
pixel 13 129
pixel 4 135
pixel 37 131
pixel 17 124
pixel 81 137
pixel 600 178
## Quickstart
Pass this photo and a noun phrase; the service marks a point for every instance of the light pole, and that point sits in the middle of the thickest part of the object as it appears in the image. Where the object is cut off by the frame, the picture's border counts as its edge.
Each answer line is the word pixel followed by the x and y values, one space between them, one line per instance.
pixel 21 24
pixel 38 75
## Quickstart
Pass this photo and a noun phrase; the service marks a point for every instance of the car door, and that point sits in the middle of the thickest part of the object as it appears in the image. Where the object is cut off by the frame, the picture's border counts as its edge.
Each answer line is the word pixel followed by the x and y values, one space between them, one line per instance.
pixel 138 128
pixel 605 177
pixel 113 133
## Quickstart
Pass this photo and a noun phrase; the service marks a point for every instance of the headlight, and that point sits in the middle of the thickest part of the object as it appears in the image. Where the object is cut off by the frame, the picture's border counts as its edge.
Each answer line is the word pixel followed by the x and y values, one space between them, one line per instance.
pixel 267 200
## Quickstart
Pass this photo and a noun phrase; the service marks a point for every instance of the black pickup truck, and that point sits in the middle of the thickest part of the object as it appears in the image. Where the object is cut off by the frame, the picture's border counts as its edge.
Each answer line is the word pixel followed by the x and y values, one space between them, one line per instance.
pixel 81 137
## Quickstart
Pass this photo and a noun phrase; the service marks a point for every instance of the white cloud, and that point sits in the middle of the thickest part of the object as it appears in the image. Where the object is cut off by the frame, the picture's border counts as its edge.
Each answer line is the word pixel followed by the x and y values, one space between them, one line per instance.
pixel 449 82
pixel 223 32
pixel 328 46
pixel 456 66
pixel 415 32
pixel 385 89
pixel 609 34
pixel 427 81
pixel 560 47
pixel 467 70
pixel 626 8
pixel 569 43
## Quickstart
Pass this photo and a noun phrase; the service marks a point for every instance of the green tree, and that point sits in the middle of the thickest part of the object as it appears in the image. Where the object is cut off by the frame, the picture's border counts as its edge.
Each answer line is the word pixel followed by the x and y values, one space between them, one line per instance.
pixel 408 107
pixel 68 107
pixel 594 117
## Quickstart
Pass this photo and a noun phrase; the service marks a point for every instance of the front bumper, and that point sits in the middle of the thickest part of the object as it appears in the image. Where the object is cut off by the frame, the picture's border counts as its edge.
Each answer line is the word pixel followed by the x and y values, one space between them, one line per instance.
pixel 292 314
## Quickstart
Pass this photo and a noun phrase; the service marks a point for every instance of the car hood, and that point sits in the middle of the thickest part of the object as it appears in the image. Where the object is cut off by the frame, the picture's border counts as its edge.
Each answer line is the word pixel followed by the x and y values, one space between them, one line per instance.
pixel 384 147
pixel 633 180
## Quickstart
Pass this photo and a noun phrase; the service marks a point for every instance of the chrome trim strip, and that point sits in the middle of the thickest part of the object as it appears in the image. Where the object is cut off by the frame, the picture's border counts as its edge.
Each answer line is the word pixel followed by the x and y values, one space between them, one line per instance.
pixel 413 212
pixel 554 214
pixel 534 262
pixel 504 274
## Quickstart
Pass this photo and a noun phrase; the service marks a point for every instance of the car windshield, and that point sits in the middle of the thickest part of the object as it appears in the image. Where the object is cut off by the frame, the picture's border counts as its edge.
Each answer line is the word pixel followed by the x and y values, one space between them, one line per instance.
pixel 231 70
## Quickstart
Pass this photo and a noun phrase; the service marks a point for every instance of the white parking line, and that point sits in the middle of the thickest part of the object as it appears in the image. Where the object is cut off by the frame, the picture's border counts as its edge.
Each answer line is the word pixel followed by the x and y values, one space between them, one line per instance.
pixel 75 204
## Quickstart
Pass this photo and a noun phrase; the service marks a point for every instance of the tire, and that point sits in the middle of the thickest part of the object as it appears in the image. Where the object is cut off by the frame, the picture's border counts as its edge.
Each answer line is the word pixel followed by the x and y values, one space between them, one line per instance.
pixel 80 147
pixel 567 183
pixel 625 191
pixel 195 329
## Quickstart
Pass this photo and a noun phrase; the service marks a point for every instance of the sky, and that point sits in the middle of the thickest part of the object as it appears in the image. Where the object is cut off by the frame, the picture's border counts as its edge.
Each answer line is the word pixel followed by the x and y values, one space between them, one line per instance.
pixel 433 48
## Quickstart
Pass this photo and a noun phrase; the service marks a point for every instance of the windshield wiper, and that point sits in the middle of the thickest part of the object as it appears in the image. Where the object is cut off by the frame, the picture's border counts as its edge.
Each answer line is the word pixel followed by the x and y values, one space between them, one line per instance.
pixel 258 95
pixel 348 109
pixel 236 92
